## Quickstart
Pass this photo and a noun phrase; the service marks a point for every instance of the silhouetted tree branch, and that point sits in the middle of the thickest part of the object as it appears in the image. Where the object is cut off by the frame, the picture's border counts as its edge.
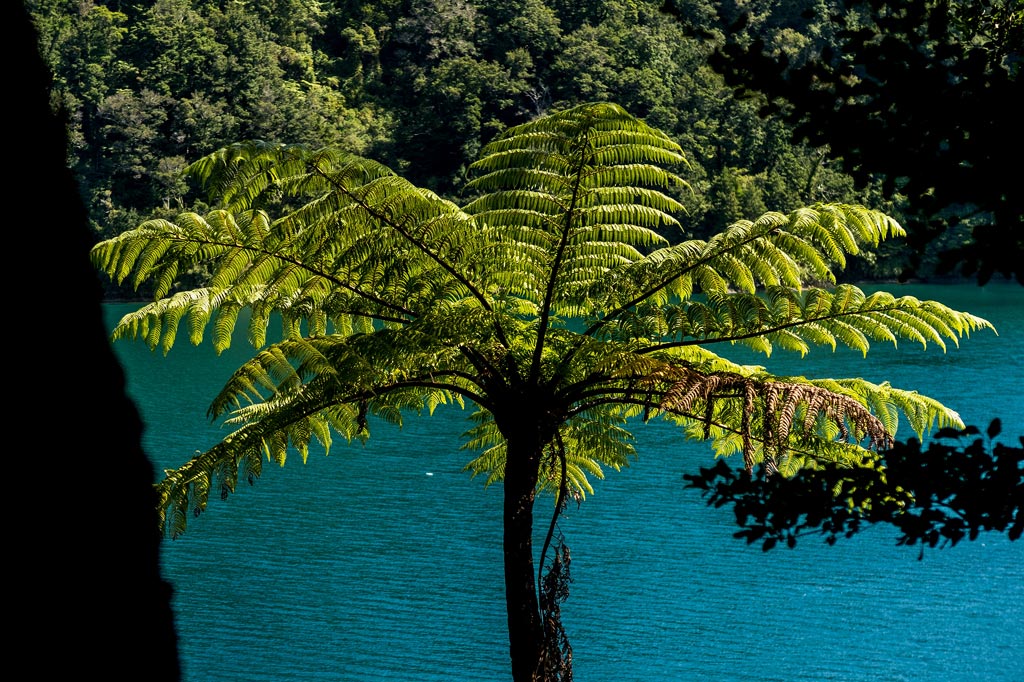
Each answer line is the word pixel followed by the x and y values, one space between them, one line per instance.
pixel 961 485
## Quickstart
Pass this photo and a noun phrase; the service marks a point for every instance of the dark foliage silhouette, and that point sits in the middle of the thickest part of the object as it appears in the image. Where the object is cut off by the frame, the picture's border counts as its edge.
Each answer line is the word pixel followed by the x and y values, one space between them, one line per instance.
pixel 89 598
pixel 960 486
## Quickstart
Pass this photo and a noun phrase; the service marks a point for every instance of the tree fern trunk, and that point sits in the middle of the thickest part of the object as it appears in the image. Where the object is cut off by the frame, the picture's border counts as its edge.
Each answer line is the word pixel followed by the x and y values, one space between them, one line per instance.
pixel 525 631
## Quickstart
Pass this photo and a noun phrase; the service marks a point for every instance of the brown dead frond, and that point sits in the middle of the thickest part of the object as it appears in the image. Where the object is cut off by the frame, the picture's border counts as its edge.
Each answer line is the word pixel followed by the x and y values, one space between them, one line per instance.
pixel 770 410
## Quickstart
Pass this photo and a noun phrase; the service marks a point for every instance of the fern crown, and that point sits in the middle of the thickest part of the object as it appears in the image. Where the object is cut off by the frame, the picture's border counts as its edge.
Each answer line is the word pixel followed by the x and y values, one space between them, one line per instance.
pixel 551 296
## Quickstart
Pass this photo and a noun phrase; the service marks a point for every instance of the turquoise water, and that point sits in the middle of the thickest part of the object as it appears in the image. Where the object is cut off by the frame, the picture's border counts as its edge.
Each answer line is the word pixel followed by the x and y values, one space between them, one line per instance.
pixel 384 561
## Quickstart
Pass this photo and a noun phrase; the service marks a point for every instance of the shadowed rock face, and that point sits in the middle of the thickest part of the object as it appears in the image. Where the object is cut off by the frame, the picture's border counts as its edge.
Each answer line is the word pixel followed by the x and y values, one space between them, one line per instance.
pixel 86 587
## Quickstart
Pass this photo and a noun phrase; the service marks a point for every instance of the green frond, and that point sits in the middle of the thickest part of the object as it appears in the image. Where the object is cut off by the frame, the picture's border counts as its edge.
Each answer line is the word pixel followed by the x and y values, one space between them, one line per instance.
pixel 237 176
pixel 632 194
pixel 625 132
pixel 157 323
pixel 504 179
pixel 789 340
pixel 581 185
pixel 631 152
pixel 849 335
pixel 923 414
pixel 795 319
pixel 810 261
pixel 738 271
pixel 490 464
pixel 627 214
pixel 525 200
pixel 776 249
pixel 524 226
pixel 611 233
pixel 543 159
pixel 594 442
pixel 818 334
pixel 632 174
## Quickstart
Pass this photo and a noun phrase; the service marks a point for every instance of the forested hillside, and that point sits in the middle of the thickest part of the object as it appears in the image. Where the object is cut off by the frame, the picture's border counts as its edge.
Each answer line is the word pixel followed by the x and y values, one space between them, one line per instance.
pixel 420 85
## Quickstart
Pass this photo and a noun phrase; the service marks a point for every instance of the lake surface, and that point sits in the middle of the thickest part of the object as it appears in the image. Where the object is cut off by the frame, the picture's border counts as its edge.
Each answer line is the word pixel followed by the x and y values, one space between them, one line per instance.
pixel 383 562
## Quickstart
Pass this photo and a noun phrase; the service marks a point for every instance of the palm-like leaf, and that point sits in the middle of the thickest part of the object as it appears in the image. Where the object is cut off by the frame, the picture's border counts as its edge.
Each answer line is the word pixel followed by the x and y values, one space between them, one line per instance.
pixel 571 197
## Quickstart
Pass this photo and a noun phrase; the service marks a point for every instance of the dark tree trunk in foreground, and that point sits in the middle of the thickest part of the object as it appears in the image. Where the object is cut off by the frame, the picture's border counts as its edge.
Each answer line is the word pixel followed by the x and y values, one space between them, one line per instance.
pixel 525 630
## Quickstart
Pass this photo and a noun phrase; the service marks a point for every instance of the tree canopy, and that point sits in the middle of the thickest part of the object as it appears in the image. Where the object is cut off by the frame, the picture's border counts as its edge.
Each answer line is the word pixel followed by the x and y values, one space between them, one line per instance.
pixel 422 85
pixel 912 95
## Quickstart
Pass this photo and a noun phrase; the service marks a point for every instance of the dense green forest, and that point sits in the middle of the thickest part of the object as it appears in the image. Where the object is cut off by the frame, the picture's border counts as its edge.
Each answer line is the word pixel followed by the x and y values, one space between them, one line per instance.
pixel 421 85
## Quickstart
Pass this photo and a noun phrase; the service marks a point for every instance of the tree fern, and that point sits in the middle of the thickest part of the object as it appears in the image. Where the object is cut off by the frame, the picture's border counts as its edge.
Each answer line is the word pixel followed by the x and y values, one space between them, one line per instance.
pixel 551 301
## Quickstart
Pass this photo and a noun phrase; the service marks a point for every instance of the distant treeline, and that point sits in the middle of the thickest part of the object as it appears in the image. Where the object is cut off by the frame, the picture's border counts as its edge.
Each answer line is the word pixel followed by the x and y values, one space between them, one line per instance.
pixel 420 84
